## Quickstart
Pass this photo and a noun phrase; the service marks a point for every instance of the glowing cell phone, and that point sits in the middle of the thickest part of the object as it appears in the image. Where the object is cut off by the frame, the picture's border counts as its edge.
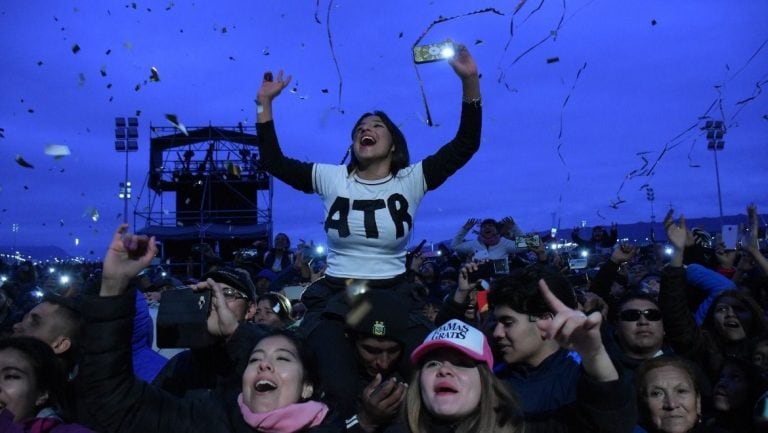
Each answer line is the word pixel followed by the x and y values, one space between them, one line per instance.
pixel 434 52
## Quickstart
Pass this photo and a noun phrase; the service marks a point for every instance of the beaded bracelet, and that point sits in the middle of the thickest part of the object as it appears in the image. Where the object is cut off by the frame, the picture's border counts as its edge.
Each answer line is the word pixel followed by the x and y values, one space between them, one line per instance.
pixel 476 102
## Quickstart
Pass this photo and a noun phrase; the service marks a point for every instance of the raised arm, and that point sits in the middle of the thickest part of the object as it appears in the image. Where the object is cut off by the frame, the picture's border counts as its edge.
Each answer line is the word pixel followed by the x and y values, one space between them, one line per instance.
pixel 574 330
pixel 295 173
pixel 452 156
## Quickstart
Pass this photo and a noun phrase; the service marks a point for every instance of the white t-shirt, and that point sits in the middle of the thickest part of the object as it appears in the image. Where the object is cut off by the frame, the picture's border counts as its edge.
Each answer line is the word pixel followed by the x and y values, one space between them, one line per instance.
pixel 368 223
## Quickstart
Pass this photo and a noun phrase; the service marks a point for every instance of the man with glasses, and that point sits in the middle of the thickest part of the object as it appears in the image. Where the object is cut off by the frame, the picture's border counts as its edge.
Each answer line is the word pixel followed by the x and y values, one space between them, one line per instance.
pixel 638 331
pixel 200 370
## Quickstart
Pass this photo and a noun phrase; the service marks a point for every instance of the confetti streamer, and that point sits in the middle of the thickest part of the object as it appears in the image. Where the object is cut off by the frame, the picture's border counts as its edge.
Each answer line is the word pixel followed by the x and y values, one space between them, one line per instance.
pixel 441 20
pixel 333 50
pixel 175 122
pixel 20 160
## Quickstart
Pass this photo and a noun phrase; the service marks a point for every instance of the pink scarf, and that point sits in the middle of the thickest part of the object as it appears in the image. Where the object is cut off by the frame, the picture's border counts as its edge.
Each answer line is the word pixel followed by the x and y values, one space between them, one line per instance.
pixel 489 241
pixel 288 419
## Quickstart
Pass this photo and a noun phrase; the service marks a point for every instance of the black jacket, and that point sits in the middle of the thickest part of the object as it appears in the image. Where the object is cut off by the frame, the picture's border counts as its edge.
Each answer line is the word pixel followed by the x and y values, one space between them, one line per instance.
pixel 113 400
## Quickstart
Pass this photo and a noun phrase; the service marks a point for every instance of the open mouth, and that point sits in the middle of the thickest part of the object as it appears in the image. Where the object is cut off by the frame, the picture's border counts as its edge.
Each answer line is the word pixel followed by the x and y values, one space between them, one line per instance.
pixel 367 140
pixel 732 324
pixel 443 389
pixel 265 386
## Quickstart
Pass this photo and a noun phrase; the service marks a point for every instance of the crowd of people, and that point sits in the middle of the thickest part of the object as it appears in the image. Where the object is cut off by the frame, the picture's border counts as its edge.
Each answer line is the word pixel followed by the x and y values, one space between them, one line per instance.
pixel 499 333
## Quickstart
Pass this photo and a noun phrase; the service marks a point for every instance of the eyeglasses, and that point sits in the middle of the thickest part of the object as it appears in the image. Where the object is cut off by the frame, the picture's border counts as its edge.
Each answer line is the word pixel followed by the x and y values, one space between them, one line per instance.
pixel 633 315
pixel 231 293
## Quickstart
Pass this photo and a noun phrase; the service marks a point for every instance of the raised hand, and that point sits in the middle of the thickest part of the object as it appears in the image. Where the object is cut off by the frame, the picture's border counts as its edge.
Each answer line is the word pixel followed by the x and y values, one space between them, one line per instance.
pixel 471 222
pixel 677 233
pixel 381 402
pixel 270 87
pixel 463 63
pixel 623 253
pixel 574 330
pixel 126 256
pixel 222 322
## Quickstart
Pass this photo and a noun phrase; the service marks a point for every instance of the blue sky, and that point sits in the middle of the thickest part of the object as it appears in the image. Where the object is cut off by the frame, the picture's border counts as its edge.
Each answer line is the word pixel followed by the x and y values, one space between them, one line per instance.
pixel 562 142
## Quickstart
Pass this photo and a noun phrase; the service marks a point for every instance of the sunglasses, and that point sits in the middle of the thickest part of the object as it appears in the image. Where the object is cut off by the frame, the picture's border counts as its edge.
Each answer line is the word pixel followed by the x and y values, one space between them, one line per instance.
pixel 231 293
pixel 633 315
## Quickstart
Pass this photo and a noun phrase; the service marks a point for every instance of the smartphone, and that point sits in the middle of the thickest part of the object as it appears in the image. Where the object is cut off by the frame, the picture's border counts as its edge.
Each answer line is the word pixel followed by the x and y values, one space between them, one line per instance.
pixel 434 52
pixel 484 271
pixel 577 263
pixel 729 235
pixel 181 319
pixel 529 240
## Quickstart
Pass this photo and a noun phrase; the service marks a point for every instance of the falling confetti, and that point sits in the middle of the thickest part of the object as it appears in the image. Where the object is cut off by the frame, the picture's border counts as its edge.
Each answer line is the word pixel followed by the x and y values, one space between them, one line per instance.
pixel 153 74
pixel 2 132
pixel 92 213
pixel 57 151
pixel 77 241
pixel 265 51
pixel 75 49
pixel 553 59
pixel 103 71
pixel 23 163
pixel 39 63
pixel 175 122
pixel 653 22
pixel 138 86
pixel 108 52
pixel 81 77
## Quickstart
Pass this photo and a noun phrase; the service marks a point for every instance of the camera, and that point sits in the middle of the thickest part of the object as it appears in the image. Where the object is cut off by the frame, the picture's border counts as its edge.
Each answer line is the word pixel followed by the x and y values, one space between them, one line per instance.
pixel 489 269
pixel 434 52
pixel 182 317
pixel 529 240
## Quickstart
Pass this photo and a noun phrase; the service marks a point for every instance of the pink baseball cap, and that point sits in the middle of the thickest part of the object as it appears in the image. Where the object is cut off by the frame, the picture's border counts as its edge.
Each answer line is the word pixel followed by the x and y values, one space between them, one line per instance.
pixel 457 335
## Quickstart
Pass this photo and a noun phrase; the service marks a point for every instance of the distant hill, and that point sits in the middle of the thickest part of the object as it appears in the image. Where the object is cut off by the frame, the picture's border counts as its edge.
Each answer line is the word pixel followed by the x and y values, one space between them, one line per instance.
pixel 46 252
pixel 639 231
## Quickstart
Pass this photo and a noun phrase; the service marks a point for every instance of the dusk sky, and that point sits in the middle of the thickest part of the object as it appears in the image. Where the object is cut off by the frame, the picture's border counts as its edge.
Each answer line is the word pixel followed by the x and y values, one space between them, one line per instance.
pixel 586 103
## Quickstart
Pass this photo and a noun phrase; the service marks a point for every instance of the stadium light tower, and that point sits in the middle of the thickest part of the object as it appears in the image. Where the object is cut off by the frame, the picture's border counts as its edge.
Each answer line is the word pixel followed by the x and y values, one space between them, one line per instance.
pixel 715 142
pixel 126 140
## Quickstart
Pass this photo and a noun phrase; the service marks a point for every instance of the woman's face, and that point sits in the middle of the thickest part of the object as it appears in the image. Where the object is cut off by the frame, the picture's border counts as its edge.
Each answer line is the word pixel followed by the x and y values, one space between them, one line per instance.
pixel 265 315
pixel 18 388
pixel 372 140
pixel 281 241
pixel 274 377
pixel 732 389
pixel 732 318
pixel 450 384
pixel 672 401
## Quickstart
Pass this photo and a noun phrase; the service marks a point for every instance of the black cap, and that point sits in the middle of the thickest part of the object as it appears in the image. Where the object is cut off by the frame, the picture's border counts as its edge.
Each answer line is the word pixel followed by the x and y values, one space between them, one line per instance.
pixel 237 278
pixel 379 313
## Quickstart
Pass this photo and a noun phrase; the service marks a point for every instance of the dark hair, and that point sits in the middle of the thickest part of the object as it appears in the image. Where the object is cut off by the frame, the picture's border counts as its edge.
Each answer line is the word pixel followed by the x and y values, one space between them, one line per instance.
pixel 49 375
pixel 400 157
pixel 70 316
pixel 520 291
pixel 630 296
pixel 306 356
pixel 754 379
pixel 758 327
pixel 286 310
